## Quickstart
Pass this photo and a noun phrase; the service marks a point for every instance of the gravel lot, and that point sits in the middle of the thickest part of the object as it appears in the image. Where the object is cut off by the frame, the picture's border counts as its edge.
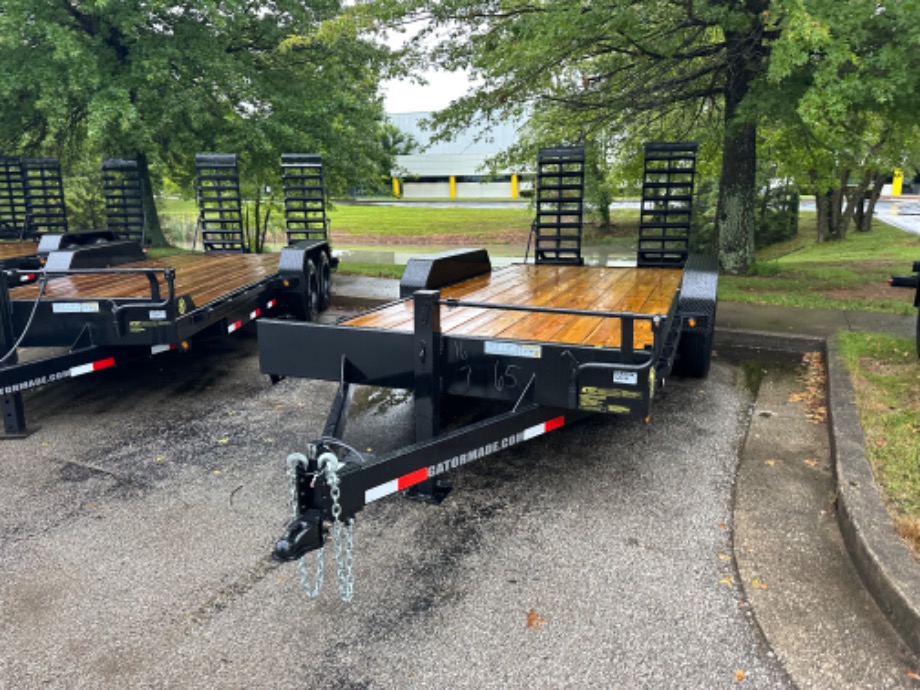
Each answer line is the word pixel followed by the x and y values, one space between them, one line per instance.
pixel 137 523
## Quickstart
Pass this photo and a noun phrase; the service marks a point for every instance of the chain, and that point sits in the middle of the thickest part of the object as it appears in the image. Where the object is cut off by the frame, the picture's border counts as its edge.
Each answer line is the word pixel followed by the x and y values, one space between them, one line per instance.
pixel 342 532
pixel 311 589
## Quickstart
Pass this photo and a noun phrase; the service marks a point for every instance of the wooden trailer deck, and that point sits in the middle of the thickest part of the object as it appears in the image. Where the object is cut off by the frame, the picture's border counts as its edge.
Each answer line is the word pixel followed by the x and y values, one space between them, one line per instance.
pixel 646 291
pixel 17 250
pixel 204 277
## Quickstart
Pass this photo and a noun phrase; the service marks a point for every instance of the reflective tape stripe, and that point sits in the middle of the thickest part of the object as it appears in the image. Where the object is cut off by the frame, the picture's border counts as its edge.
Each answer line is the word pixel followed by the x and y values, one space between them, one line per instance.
pixel 157 349
pixel 378 492
pixel 255 314
pixel 271 303
pixel 92 366
pixel 233 326
pixel 394 485
pixel 420 475
pixel 541 429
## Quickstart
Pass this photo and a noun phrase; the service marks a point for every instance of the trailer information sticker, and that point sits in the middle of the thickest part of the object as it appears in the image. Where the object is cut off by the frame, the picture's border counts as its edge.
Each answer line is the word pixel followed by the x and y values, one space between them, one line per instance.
pixel 75 307
pixel 513 349
pixel 630 378
pixel 601 399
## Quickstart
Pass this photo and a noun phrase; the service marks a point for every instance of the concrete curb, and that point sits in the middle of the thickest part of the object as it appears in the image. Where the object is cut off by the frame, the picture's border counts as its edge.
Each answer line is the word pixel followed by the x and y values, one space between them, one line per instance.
pixel 887 568
pixel 765 341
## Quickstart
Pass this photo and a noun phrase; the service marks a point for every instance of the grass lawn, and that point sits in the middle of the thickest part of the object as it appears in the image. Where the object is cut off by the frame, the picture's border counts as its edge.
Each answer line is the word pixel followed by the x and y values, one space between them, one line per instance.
pixel 886 375
pixel 850 274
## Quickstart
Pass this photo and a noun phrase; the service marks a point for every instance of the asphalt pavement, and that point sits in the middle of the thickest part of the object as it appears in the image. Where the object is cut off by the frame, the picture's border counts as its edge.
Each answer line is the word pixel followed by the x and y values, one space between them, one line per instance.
pixel 137 522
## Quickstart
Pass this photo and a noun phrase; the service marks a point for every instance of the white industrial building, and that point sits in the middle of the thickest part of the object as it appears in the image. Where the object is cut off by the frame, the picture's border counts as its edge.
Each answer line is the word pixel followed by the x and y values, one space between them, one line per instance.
pixel 454 169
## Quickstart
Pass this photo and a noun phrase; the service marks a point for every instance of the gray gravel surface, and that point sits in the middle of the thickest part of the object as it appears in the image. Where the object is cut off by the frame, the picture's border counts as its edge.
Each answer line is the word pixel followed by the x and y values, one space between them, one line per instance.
pixel 136 526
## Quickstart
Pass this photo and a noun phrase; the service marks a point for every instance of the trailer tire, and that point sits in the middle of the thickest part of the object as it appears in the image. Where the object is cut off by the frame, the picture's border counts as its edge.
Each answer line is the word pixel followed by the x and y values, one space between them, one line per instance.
pixel 694 354
pixel 310 296
pixel 324 281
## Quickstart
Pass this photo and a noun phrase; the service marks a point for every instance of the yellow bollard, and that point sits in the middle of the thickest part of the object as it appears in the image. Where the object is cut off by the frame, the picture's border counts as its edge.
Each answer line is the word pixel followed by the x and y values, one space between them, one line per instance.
pixel 396 186
pixel 453 187
pixel 897 182
pixel 515 192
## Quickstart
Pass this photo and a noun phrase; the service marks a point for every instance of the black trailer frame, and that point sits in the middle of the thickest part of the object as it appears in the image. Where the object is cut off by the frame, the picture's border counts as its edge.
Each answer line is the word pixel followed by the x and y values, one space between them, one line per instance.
pixel 911 282
pixel 102 316
pixel 545 385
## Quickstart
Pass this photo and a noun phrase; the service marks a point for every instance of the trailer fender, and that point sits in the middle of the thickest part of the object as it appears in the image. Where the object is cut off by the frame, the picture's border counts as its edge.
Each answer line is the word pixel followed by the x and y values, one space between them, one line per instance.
pixel 697 306
pixel 297 266
pixel 434 271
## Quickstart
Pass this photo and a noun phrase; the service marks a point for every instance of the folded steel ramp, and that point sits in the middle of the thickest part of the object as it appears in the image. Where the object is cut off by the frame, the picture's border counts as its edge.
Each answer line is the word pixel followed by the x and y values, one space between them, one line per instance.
pixel 124 208
pixel 220 216
pixel 667 204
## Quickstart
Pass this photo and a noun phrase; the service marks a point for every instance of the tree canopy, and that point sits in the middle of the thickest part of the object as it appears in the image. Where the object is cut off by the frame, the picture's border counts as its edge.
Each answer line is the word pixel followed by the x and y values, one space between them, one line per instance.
pixel 663 69
pixel 162 80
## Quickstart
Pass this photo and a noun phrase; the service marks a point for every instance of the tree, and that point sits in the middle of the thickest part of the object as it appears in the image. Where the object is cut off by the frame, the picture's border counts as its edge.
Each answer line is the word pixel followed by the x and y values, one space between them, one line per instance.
pixel 159 81
pixel 842 93
pixel 609 67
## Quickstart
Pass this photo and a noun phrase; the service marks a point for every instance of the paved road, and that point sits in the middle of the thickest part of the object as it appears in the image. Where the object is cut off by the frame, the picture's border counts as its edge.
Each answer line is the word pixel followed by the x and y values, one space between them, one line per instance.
pixel 136 526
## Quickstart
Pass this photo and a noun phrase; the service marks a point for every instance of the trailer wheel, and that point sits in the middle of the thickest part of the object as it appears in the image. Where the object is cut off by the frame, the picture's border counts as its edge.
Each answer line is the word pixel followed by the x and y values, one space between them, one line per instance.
pixel 694 354
pixel 310 296
pixel 917 337
pixel 324 281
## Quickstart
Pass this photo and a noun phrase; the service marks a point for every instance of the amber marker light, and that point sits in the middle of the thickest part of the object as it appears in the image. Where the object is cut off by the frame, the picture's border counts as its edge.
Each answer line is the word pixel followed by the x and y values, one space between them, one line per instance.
pixel 184 345
pixel 692 323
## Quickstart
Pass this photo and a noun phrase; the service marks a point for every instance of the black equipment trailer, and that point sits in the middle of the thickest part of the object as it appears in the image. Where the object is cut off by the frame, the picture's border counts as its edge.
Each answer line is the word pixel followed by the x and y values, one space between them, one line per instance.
pixel 102 305
pixel 555 341
pixel 914 283
pixel 33 215
pixel 31 203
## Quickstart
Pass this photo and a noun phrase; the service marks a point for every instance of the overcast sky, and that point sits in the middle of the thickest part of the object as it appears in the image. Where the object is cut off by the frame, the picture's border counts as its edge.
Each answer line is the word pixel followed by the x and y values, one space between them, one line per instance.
pixel 442 88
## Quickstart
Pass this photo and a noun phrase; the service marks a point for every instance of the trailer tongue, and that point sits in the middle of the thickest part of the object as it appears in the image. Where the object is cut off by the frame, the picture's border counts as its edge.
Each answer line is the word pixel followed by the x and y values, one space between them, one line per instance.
pixel 553 341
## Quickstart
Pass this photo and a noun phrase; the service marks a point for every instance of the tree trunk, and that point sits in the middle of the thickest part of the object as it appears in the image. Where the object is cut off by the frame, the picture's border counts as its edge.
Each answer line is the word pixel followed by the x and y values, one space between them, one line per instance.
pixel 735 215
pixel 864 223
pixel 152 230
pixel 823 207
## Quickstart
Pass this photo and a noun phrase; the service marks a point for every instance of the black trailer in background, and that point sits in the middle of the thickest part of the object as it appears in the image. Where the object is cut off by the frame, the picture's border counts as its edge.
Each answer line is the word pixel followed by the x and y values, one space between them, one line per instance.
pixel 552 341
pixel 912 282
pixel 103 304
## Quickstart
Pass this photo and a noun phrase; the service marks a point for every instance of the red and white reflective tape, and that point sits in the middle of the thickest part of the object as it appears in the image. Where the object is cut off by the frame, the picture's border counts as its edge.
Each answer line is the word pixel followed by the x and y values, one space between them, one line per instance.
pixel 253 315
pixel 420 475
pixel 98 365
pixel 543 428
pixel 394 485
pixel 157 349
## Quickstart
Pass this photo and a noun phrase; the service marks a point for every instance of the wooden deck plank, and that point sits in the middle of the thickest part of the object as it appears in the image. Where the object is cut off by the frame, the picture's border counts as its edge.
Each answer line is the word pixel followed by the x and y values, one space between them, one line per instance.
pixel 16 250
pixel 560 328
pixel 501 286
pixel 646 291
pixel 554 290
pixel 206 277
pixel 645 300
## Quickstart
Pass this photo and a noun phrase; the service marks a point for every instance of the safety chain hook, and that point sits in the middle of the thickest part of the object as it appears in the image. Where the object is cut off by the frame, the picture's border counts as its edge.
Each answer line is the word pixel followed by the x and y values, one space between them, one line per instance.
pixel 328 465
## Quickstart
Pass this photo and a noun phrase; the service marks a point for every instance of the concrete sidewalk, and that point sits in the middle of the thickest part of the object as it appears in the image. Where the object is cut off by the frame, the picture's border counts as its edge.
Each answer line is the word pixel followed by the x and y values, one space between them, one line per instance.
pixel 888 570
